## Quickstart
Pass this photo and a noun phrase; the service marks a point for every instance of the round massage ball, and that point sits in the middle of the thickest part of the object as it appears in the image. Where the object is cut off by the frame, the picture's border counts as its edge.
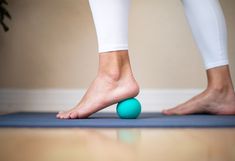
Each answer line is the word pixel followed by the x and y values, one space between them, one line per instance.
pixel 129 108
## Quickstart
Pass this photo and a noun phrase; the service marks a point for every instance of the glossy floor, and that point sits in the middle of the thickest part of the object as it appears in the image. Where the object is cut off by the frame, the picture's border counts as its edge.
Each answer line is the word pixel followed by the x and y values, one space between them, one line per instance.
pixel 117 144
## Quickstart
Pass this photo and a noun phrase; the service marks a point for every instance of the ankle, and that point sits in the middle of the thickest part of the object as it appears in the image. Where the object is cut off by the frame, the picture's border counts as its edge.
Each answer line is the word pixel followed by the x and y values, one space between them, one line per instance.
pixel 221 88
pixel 114 65
pixel 219 80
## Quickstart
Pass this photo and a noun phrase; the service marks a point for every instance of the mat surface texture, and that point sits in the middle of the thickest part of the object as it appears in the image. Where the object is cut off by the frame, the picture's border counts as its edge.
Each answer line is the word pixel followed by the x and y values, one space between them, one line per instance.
pixel 110 120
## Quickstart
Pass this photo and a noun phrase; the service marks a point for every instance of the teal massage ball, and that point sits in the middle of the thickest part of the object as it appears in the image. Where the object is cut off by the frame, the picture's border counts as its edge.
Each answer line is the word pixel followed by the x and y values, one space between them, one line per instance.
pixel 129 108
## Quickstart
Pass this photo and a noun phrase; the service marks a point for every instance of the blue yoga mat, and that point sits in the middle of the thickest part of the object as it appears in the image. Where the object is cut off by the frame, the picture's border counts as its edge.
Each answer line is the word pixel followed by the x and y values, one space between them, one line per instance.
pixel 110 120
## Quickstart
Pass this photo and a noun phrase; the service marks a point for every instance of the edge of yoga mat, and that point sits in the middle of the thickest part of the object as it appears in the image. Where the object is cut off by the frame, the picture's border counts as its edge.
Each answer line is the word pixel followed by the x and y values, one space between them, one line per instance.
pixel 111 120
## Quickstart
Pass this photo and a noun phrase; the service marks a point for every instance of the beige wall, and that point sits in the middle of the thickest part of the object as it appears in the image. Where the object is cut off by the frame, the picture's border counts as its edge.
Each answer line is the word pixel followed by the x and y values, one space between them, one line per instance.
pixel 52 44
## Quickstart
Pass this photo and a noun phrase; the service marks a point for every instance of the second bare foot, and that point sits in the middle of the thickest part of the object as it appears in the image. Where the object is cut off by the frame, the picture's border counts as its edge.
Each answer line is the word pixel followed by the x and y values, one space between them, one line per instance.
pixel 210 101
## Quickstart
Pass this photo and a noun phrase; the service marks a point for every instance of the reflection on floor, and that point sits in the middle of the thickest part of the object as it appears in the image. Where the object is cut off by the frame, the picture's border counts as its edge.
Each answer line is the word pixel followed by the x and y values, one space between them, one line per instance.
pixel 117 144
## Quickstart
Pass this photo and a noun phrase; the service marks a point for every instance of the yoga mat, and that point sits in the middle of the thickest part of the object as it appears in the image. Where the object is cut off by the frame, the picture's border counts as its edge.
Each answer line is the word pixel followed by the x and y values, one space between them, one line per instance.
pixel 110 120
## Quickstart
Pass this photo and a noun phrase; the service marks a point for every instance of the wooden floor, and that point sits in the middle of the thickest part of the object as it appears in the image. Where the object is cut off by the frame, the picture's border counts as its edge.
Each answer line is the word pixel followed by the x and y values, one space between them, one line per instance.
pixel 117 144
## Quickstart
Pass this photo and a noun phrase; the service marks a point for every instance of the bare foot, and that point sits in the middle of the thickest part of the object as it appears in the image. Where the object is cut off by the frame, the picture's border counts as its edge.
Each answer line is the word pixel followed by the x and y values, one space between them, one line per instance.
pixel 210 101
pixel 109 87
pixel 218 98
pixel 102 93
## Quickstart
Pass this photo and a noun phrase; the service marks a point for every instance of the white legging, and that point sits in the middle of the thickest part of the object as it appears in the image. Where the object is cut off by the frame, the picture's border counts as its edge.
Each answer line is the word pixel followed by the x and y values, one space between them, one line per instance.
pixel 205 18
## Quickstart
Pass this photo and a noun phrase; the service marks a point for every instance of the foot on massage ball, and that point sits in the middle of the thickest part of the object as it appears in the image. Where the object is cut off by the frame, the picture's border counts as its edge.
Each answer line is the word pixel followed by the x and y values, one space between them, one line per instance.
pixel 129 108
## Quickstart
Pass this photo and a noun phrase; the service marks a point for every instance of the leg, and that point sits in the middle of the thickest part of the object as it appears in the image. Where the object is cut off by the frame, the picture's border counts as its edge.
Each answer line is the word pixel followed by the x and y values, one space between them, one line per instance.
pixel 114 81
pixel 209 30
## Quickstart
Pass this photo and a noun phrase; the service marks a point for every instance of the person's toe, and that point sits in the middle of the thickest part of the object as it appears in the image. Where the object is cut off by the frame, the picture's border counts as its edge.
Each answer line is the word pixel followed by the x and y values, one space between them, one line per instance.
pixel 74 115
pixel 63 115
pixel 172 111
pixel 67 115
pixel 184 110
pixel 60 114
